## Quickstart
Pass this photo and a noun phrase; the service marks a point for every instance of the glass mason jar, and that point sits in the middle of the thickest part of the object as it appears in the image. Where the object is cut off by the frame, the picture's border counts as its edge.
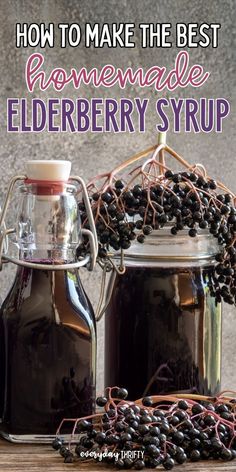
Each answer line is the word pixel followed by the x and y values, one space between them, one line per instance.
pixel 162 325
pixel 47 324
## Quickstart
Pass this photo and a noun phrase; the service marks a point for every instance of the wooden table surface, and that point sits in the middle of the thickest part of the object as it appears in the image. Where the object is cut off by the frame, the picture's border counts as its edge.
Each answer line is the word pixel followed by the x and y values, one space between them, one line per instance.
pixel 38 458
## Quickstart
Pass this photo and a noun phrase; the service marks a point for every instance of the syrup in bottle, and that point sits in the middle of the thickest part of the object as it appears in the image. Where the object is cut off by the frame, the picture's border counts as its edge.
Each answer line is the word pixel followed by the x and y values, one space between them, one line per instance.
pixel 47 324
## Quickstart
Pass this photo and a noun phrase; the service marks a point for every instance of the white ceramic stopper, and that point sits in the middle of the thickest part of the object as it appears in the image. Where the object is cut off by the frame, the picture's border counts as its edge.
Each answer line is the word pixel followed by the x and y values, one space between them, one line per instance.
pixel 48 170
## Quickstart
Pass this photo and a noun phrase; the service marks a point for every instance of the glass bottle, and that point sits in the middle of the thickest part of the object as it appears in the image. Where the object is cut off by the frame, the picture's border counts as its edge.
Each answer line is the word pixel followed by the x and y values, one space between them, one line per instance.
pixel 162 325
pixel 47 324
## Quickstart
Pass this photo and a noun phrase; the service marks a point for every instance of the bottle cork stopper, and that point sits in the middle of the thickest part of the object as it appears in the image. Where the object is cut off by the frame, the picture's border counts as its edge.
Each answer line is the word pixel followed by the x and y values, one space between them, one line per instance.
pixel 48 170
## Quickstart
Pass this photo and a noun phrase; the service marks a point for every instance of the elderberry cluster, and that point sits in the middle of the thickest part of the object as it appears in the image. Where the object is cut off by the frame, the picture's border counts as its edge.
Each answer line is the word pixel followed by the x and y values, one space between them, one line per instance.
pixel 180 201
pixel 154 432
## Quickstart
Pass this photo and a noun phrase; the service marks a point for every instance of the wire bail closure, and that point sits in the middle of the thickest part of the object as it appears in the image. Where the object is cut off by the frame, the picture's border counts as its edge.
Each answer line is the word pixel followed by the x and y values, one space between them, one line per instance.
pixel 105 296
pixel 89 260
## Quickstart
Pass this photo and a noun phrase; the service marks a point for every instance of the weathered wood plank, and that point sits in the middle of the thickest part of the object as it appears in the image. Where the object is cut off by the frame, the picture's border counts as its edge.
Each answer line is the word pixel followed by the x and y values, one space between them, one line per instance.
pixel 38 458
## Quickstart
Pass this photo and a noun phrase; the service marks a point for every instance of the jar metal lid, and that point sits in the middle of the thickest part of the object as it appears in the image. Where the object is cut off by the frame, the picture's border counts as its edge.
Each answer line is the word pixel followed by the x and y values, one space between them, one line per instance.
pixel 163 248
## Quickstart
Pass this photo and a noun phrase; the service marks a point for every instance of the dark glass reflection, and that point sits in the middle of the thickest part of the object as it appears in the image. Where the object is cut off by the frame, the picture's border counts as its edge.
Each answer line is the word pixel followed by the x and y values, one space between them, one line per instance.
pixel 47 352
pixel 163 332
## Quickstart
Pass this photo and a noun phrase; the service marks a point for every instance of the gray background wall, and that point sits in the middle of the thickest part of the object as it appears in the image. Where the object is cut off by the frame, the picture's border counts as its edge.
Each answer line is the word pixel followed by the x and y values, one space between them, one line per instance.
pixel 103 151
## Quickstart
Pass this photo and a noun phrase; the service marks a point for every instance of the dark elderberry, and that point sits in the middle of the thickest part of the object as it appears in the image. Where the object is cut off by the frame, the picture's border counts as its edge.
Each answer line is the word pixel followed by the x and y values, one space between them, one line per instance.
pixel 88 443
pixel 174 420
pixel 129 417
pixel 84 425
pixel 147 230
pixel 162 219
pixel 195 443
pixel 151 449
pixel 154 462
pixel 142 210
pixel 154 431
pixel 180 458
pixel 92 433
pixel 64 451
pixel 120 464
pixel 162 438
pixel 183 405
pixel 169 174
pixel 203 224
pixel 119 184
pixel 205 454
pixel 197 409
pixel 139 224
pixel 69 458
pixel 135 408
pixel 168 463
pixel 100 438
pixel 101 401
pixel 226 416
pixel 192 177
pixel 222 408
pixel 102 252
pixel 193 433
pixel 57 443
pixel 174 230
pixel 165 427
pixel 107 197
pixel 137 191
pixel 141 238
pixel 125 244
pixel 212 184
pixel 121 393
pixel 95 196
pixel 119 427
pixel 176 178
pixel 143 429
pixel 139 464
pixel 145 419
pixel 178 437
pixel 195 455
pixel 128 463
pixel 79 450
pixel 187 424
pixel 104 237
pixel 111 413
pixel 226 454
pixel 209 420
pixel 216 444
pixel 192 232
pixel 147 401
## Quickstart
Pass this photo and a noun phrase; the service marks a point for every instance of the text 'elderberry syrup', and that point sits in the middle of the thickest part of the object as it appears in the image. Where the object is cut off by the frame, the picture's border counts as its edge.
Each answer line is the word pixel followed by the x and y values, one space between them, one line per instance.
pixel 163 332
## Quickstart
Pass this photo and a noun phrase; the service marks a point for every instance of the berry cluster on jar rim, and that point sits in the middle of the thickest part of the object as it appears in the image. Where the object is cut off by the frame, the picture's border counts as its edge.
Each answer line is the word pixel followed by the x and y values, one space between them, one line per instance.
pixel 182 201
pixel 167 431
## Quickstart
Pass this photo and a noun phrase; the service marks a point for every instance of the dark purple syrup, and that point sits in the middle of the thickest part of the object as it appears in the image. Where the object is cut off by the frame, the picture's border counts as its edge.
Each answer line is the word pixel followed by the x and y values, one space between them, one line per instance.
pixel 47 352
pixel 163 333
